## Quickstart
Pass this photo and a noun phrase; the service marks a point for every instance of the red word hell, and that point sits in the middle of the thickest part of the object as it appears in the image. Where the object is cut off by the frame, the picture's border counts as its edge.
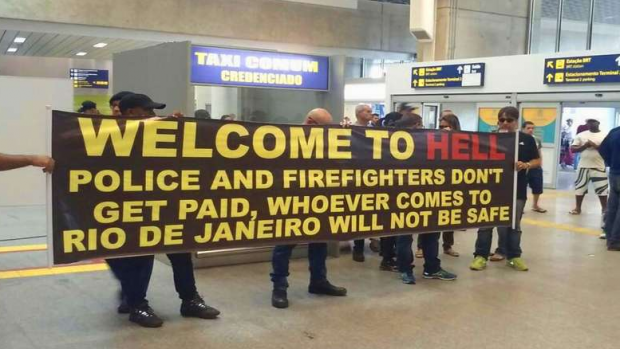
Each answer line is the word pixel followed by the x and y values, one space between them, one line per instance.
pixel 463 146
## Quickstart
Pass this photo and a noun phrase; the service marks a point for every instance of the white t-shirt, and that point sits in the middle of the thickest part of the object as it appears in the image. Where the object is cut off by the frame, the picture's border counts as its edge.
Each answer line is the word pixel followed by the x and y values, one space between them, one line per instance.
pixel 590 158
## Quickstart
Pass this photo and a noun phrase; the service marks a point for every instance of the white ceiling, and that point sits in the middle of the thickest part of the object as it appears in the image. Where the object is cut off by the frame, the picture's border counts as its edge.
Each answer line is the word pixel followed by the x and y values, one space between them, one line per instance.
pixel 65 45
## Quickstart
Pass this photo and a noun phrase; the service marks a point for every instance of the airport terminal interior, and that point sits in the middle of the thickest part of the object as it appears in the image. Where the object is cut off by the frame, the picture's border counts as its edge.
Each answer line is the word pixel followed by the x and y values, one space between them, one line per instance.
pixel 494 66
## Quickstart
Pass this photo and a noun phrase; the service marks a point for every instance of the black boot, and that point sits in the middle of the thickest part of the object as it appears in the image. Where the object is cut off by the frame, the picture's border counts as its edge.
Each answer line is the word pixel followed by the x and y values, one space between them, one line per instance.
pixel 279 298
pixel 145 316
pixel 324 287
pixel 196 307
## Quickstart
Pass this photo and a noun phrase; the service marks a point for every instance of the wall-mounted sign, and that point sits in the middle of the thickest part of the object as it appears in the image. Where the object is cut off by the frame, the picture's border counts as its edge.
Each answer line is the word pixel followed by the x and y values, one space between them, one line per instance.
pixel 454 75
pixel 89 78
pixel 582 70
pixel 229 67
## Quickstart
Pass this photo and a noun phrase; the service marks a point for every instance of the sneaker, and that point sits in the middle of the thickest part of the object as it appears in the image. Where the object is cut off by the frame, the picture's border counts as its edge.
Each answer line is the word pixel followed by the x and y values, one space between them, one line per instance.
pixel 440 275
pixel 517 264
pixel 408 278
pixel 419 253
pixel 196 307
pixel 279 298
pixel 497 257
pixel 479 263
pixel 375 245
pixel 451 252
pixel 388 265
pixel 603 236
pixel 326 288
pixel 358 256
pixel 145 316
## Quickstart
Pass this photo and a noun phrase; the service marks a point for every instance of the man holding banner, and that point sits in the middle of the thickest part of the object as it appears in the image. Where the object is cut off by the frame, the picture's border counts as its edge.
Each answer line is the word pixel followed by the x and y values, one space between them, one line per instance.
pixel 317 252
pixel 529 158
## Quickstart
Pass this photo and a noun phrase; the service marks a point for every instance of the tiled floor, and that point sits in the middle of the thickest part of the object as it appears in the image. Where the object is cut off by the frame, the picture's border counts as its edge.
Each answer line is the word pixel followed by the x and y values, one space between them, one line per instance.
pixel 569 299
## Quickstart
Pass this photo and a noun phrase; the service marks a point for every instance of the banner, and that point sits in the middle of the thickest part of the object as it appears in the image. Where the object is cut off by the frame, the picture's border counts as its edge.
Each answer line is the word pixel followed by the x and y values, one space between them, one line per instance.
pixel 128 186
pixel 230 67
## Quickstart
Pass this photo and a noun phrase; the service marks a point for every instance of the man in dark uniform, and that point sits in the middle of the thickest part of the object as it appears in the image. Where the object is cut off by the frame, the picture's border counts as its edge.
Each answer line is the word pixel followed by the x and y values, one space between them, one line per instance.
pixel 136 271
pixel 317 252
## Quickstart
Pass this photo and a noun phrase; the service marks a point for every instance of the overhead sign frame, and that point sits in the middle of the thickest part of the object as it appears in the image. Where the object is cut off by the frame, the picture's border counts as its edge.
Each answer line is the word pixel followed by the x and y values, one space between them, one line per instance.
pixel 448 76
pixel 90 78
pixel 576 70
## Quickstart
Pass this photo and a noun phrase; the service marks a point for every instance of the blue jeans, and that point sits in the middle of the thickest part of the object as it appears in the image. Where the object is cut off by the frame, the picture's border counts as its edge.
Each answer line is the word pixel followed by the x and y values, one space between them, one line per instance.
pixel 317 254
pixel 612 220
pixel 134 273
pixel 511 238
pixel 429 243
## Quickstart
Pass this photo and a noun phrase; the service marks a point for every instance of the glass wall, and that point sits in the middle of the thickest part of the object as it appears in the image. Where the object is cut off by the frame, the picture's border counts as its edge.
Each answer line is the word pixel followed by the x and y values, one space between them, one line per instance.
pixel 574 25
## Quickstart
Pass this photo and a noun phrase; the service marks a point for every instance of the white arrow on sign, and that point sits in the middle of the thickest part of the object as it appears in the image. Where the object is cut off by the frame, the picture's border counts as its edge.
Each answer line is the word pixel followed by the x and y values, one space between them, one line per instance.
pixel 460 69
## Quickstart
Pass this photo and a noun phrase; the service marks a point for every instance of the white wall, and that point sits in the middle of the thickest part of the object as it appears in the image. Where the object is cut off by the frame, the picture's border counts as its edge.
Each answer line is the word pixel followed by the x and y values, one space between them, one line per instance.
pixel 23 131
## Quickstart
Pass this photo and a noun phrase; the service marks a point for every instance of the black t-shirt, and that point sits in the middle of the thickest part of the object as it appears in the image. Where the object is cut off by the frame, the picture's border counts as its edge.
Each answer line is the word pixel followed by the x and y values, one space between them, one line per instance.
pixel 528 151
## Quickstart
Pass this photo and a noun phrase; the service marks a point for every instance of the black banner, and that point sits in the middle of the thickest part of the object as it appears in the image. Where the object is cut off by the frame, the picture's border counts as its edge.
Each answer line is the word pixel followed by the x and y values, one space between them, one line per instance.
pixel 142 186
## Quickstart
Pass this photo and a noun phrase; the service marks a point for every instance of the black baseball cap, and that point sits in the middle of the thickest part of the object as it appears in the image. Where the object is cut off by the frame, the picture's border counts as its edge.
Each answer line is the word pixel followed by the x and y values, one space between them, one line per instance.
pixel 139 101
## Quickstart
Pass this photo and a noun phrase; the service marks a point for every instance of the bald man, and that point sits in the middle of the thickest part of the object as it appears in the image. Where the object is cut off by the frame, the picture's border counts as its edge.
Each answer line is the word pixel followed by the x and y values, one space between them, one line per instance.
pixel 317 252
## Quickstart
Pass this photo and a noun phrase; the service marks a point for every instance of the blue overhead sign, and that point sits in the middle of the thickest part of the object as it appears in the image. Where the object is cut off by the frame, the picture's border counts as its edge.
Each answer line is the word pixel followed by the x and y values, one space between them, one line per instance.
pixel 89 78
pixel 454 75
pixel 229 67
pixel 582 70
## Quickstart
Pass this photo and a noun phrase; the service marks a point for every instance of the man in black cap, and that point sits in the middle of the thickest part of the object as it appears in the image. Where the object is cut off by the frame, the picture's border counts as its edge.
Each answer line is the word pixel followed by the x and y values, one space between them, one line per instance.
pixel 136 271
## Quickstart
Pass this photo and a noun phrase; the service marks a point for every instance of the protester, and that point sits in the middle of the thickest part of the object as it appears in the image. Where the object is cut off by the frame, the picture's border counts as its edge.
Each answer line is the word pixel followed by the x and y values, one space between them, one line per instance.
pixel 202 114
pixel 363 116
pixel 610 151
pixel 528 158
pixel 535 175
pixel 375 119
pixel 317 252
pixel 136 271
pixel 89 107
pixel 429 242
pixel 115 100
pixel 449 122
pixel 11 162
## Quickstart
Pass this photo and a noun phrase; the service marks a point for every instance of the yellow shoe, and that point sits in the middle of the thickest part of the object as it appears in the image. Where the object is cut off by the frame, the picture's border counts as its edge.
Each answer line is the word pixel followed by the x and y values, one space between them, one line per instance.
pixel 517 264
pixel 479 263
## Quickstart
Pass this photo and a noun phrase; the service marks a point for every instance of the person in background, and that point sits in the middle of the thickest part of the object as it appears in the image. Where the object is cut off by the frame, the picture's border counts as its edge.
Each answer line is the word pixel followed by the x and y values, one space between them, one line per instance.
pixel 115 100
pixel 227 118
pixel 202 114
pixel 11 162
pixel 566 139
pixel 89 107
pixel 429 242
pixel 317 252
pixel 375 119
pixel 535 175
pixel 528 158
pixel 449 122
pixel 610 151
pixel 363 117
pixel 137 271
pixel 591 166
pixel 577 156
